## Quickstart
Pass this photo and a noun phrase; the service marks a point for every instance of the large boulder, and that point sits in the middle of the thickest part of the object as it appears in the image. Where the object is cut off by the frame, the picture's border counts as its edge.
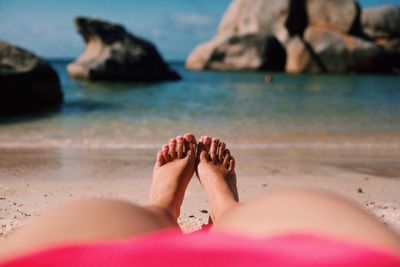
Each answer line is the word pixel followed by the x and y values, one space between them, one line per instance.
pixel 263 19
pixel 245 52
pixel 28 83
pixel 381 22
pixel 340 53
pixel 244 37
pixel 113 54
pixel 329 51
pixel 307 35
pixel 338 15
pixel 300 58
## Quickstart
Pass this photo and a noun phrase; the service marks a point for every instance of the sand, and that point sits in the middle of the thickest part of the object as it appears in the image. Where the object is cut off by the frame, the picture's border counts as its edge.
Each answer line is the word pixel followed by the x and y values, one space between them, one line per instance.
pixel 32 180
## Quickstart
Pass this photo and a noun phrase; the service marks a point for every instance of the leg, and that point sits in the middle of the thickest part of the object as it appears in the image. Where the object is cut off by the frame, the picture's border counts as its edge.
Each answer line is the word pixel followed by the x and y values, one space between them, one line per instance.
pixel 288 211
pixel 97 219
pixel 87 220
pixel 306 211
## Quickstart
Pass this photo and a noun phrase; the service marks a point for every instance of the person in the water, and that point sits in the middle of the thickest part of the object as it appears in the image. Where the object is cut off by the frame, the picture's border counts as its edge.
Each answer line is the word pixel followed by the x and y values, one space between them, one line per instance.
pixel 292 227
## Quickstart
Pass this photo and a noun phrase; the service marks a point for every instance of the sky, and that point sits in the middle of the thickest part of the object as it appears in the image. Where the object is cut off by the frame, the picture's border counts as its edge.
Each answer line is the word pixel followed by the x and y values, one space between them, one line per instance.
pixel 175 26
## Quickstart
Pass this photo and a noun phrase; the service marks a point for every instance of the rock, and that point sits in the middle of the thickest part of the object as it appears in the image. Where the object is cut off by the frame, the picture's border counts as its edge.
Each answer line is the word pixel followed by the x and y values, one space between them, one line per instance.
pixel 310 36
pixel 246 34
pixel 200 57
pixel 299 58
pixel 113 54
pixel 235 53
pixel 28 83
pixel 261 17
pixel 341 53
pixel 392 49
pixel 338 15
pixel 245 52
pixel 251 25
pixel 381 22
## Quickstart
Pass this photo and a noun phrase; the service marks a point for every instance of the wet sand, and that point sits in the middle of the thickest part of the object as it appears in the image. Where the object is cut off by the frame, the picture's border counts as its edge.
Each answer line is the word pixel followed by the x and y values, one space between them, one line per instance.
pixel 32 180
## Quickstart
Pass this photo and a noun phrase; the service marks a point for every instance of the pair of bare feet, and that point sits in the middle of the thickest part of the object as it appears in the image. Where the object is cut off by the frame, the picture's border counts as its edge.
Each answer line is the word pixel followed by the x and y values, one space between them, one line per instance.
pixel 176 164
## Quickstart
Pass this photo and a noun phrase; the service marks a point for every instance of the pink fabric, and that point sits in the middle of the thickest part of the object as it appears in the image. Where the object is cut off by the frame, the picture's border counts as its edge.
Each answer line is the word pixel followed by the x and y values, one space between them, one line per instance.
pixel 170 248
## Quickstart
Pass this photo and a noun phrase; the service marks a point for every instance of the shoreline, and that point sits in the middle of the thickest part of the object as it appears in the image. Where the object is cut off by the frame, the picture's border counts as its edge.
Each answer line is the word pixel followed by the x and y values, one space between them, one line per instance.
pixel 36 179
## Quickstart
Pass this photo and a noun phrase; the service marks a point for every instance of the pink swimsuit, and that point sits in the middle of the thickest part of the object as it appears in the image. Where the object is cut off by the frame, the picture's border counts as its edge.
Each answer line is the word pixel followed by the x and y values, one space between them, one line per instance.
pixel 170 248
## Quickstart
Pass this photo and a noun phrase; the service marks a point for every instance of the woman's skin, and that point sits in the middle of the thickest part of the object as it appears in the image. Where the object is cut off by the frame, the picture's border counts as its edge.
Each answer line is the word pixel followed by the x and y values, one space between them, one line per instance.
pixel 282 212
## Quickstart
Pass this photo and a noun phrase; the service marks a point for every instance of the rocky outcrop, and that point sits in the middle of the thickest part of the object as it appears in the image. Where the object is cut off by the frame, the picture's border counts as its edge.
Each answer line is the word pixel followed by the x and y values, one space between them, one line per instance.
pixel 382 25
pixel 312 36
pixel 340 52
pixel 337 15
pixel 299 58
pixel 27 83
pixel 381 22
pixel 241 42
pixel 244 53
pixel 113 54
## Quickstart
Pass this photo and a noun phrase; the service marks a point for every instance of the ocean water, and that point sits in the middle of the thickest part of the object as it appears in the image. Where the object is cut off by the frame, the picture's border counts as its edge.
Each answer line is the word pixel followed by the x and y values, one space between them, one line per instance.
pixel 324 111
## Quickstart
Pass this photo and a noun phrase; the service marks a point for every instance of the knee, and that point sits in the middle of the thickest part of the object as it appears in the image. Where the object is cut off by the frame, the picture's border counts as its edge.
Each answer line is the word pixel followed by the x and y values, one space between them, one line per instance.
pixel 107 213
pixel 291 209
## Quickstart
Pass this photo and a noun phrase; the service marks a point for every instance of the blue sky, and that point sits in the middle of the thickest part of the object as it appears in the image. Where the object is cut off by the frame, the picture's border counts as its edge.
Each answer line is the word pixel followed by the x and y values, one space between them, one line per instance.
pixel 175 26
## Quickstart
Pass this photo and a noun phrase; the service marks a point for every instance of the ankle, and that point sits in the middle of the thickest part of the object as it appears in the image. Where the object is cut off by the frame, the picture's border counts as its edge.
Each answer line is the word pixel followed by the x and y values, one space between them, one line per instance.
pixel 223 207
pixel 163 212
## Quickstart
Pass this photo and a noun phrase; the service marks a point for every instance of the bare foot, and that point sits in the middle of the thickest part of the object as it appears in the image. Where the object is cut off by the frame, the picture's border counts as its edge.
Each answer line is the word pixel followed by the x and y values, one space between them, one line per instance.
pixel 216 171
pixel 172 172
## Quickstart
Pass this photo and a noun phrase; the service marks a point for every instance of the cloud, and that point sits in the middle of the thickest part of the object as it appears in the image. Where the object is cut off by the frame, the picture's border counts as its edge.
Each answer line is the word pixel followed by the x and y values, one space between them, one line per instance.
pixel 192 20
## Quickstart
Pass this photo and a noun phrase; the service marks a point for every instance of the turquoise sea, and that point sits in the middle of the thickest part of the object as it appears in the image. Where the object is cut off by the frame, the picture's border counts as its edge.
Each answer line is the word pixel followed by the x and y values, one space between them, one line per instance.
pixel 330 111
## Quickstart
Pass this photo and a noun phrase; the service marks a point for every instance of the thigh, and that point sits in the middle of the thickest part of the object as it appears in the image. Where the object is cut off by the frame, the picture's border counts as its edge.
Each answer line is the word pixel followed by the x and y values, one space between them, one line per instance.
pixel 85 221
pixel 307 211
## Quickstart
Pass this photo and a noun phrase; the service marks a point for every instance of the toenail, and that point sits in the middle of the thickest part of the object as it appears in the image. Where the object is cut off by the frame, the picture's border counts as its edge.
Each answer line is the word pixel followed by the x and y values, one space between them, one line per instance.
pixel 216 141
pixel 207 140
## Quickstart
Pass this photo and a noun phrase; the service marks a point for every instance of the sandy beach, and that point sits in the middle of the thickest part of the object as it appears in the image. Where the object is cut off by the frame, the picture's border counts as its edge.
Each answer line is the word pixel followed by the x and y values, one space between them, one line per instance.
pixel 36 179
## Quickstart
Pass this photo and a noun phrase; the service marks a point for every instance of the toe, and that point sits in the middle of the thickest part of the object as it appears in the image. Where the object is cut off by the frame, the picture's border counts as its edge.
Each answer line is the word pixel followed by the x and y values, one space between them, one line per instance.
pixel 214 149
pixel 190 138
pixel 165 153
pixel 186 146
pixel 221 151
pixel 193 148
pixel 191 153
pixel 227 157
pixel 190 142
pixel 180 142
pixel 232 164
pixel 207 142
pixel 201 139
pixel 200 146
pixel 159 159
pixel 172 148
pixel 202 152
